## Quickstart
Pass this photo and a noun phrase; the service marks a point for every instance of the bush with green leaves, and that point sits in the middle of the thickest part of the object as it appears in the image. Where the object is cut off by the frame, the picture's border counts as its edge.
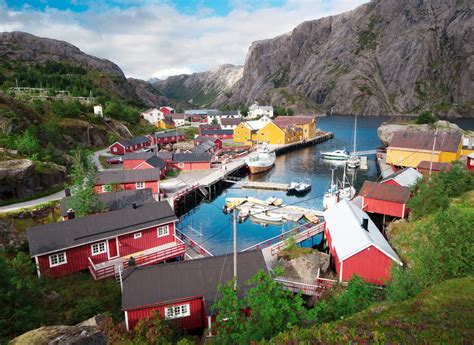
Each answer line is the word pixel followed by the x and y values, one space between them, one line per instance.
pixel 426 117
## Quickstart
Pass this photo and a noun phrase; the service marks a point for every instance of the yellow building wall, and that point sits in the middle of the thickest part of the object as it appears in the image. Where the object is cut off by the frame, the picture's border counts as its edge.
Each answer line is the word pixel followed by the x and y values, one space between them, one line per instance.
pixel 309 130
pixel 466 152
pixel 272 134
pixel 162 125
pixel 243 135
pixel 409 158
pixel 293 136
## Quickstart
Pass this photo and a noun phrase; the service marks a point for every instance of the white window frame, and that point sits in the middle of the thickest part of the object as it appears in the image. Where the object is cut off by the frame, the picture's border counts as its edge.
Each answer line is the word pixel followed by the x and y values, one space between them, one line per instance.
pixel 177 311
pixel 165 229
pixel 104 188
pixel 181 165
pixel 58 262
pixel 140 185
pixel 99 250
pixel 114 149
pixel 137 235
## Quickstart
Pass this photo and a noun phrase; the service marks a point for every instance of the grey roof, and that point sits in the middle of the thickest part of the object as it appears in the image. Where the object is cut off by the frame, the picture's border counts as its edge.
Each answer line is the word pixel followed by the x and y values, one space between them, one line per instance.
pixel 137 155
pixel 134 141
pixel 344 223
pixel 204 147
pixel 165 155
pixel 405 177
pixel 226 113
pixel 168 134
pixel 158 284
pixel 156 162
pixel 127 176
pixel 70 233
pixel 216 131
pixel 116 200
pixel 201 111
pixel 191 157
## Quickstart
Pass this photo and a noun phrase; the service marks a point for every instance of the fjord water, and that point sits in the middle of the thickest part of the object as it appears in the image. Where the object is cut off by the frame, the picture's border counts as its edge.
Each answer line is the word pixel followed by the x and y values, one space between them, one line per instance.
pixel 209 225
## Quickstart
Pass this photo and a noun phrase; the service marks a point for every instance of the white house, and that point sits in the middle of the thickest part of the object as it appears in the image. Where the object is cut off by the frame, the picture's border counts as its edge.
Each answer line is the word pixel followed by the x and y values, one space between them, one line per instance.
pixel 178 119
pixel 256 110
pixel 219 115
pixel 230 123
pixel 98 111
pixel 152 115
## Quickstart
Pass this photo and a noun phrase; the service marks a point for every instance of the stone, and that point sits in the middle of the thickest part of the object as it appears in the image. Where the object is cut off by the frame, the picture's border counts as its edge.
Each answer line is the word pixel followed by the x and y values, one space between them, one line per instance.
pixel 62 335
pixel 305 267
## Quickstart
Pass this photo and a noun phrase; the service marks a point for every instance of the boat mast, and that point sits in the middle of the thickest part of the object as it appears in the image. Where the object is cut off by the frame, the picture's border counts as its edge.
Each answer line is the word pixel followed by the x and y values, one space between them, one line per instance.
pixel 235 250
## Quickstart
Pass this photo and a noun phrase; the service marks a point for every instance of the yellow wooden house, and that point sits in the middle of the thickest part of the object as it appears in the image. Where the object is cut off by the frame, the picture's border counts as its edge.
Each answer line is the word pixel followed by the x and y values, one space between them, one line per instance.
pixel 246 132
pixel 306 123
pixel 277 135
pixel 408 148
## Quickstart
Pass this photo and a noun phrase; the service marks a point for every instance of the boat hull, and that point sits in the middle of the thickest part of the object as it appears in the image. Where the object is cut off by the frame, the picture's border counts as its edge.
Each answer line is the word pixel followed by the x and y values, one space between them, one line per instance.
pixel 259 169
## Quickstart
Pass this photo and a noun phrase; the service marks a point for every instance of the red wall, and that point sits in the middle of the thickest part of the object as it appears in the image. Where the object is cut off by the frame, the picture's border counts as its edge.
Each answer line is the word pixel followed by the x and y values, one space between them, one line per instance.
pixel 370 264
pixel 384 207
pixel 470 164
pixel 77 257
pixel 193 165
pixel 194 321
pixel 130 164
pixel 120 149
pixel 153 185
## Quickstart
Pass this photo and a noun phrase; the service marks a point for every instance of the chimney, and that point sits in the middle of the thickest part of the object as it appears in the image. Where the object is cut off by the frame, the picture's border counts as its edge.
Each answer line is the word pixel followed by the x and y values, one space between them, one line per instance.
pixel 71 214
pixel 134 205
pixel 365 223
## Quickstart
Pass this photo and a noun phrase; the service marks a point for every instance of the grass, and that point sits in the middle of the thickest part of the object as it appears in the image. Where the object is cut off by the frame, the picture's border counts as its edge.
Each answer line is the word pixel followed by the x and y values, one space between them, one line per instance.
pixel 33 197
pixel 294 252
pixel 442 314
pixel 104 163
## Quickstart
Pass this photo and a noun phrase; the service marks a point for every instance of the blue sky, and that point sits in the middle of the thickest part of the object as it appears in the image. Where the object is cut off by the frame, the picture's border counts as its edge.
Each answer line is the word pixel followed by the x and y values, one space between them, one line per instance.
pixel 159 38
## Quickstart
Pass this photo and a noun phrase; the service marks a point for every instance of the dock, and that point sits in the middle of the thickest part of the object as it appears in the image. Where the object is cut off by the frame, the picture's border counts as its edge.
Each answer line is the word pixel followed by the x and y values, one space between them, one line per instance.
pixel 266 185
pixel 320 138
pixel 384 168
pixel 364 163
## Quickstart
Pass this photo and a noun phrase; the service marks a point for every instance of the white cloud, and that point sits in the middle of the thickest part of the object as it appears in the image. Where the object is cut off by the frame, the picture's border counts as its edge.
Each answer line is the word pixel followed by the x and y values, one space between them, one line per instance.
pixel 155 40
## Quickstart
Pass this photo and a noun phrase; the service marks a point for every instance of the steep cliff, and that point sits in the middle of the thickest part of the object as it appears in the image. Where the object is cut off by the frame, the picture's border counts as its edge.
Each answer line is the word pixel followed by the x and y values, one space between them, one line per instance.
pixel 203 88
pixel 384 57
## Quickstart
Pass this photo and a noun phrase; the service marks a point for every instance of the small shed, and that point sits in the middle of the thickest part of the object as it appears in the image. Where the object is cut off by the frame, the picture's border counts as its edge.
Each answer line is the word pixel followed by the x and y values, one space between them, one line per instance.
pixel 404 177
pixel 470 162
pixel 386 199
pixel 191 161
pixel 356 245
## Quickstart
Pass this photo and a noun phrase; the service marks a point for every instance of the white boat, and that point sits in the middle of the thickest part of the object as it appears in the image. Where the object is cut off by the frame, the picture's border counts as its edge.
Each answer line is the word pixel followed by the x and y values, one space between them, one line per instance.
pixel 340 155
pixel 274 201
pixel 268 216
pixel 354 161
pixel 261 160
pixel 303 187
pixel 338 191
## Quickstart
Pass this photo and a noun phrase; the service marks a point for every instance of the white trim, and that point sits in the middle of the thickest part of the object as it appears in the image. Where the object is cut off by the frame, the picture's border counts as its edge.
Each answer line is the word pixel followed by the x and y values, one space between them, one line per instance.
pixel 106 247
pixel 161 227
pixel 142 186
pixel 177 311
pixel 144 162
pixel 340 270
pixel 137 235
pixel 117 245
pixel 126 321
pixel 59 263
pixel 403 212
pixel 104 189
pixel 367 246
pixel 117 143
pixel 37 267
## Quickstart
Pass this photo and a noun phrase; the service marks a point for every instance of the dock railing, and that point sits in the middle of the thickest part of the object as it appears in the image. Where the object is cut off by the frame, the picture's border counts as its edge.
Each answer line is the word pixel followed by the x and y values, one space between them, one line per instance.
pixel 193 244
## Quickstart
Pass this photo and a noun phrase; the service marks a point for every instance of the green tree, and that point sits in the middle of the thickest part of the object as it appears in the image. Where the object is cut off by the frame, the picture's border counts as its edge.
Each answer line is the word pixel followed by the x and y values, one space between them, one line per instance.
pixel 214 121
pixel 244 110
pixel 27 143
pixel 426 117
pixel 290 112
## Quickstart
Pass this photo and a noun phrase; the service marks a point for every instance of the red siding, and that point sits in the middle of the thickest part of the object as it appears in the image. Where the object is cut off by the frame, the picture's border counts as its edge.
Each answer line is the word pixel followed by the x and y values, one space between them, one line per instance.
pixel 128 245
pixel 194 321
pixel 120 149
pixel 391 182
pixel 384 207
pixel 153 185
pixel 193 166
pixel 131 164
pixel 370 264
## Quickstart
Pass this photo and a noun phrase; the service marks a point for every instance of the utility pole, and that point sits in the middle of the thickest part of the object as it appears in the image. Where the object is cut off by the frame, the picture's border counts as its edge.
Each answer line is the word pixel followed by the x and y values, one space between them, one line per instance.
pixel 432 153
pixel 235 250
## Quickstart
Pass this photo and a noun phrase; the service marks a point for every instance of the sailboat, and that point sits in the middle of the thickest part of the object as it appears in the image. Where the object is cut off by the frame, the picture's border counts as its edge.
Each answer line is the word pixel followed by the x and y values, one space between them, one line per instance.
pixel 338 191
pixel 354 161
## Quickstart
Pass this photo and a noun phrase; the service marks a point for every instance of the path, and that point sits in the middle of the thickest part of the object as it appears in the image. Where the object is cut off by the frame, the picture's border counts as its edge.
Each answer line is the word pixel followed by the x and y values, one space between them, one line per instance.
pixel 14 207
pixel 104 152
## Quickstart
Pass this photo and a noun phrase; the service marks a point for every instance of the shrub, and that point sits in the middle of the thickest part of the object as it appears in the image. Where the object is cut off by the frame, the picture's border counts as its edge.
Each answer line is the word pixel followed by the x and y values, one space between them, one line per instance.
pixel 426 117
pixel 85 309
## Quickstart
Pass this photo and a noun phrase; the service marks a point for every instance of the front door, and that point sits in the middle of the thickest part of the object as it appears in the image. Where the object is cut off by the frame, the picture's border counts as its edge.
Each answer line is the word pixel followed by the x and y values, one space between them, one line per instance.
pixel 113 245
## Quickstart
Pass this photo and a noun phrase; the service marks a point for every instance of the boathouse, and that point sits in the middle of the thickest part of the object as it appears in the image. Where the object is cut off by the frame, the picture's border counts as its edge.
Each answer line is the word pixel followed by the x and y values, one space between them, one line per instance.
pixel 407 177
pixel 185 291
pixel 276 134
pixel 167 137
pixel 129 180
pixel 386 199
pixel 144 160
pixel 191 161
pixel 218 133
pixel 103 243
pixel 436 167
pixel 112 201
pixel 408 148
pixel 356 245
pixel 129 145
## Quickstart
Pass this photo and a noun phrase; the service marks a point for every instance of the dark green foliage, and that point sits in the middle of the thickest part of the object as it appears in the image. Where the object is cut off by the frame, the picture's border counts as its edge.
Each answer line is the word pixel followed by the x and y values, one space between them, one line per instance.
pixel 244 110
pixel 27 143
pixel 426 117
pixel 85 309
pixel 282 111
pixel 290 112
pixel 120 111
pixel 72 109
pixel 403 284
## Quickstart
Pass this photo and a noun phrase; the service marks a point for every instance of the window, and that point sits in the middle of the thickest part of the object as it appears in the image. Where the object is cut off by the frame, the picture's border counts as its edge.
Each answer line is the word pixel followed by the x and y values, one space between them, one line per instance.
pixel 163 231
pixel 98 248
pixel 104 188
pixel 175 312
pixel 57 259
pixel 181 165
pixel 140 185
pixel 114 149
pixel 137 235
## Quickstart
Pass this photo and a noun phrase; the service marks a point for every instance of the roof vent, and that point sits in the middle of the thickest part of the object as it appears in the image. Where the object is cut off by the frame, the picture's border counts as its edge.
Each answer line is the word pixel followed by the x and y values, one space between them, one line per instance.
pixel 365 223
pixel 71 214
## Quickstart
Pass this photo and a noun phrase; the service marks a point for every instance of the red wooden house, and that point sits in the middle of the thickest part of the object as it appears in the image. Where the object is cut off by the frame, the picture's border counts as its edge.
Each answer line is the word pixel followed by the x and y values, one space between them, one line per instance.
pixel 191 161
pixel 129 180
pixel 407 177
pixel 167 110
pixel 387 199
pixel 356 245
pixel 167 137
pixel 218 133
pixel 103 243
pixel 470 162
pixel 185 291
pixel 130 145
pixel 144 160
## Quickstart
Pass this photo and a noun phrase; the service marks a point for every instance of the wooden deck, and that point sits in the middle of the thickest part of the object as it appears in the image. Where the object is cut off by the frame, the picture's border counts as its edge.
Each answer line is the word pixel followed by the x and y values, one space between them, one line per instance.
pixel 266 185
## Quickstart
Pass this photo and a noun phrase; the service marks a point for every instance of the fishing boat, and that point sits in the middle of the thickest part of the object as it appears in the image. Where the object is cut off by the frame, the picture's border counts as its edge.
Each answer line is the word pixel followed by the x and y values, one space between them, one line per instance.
pixel 338 191
pixel 340 155
pixel 354 161
pixel 303 187
pixel 261 160
pixel 268 216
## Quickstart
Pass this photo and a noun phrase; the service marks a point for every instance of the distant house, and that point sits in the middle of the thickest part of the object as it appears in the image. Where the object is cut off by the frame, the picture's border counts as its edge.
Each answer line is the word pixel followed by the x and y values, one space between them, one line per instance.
pixel 209 147
pixel 152 116
pixel 144 160
pixel 199 116
pixel 191 161
pixel 217 117
pixel 184 292
pixel 165 123
pixel 408 148
pixel 202 139
pixel 167 137
pixel 467 145
pixel 470 162
pixel 407 177
pixel 306 123
pixel 256 110
pixel 178 119
pixel 230 123
pixel 112 201
pixel 246 132
pixel 386 199
pixel 279 134
pixel 205 126
pixel 121 147
pixel 129 180
pixel 425 166
pixel 356 245
pixel 103 243
pixel 167 110
pixel 218 133
pixel 98 111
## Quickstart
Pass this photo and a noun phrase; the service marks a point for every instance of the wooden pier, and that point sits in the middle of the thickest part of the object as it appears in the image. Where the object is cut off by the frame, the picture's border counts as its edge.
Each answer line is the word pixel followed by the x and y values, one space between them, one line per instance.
pixel 280 149
pixel 266 185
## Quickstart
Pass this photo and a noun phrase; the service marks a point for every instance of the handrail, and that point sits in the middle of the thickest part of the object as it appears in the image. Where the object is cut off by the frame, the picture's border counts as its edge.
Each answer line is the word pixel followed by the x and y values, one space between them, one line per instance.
pixel 301 236
pixel 193 243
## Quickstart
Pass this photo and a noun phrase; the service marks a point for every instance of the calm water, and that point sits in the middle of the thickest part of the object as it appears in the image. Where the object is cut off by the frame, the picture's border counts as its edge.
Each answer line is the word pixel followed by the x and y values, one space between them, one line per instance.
pixel 209 225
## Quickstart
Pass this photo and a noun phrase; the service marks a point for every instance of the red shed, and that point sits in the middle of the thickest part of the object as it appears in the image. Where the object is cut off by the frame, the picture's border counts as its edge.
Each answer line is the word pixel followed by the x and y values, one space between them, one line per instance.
pixel 356 245
pixel 167 137
pixel 191 161
pixel 129 145
pixel 167 110
pixel 129 180
pixel 184 291
pixel 387 199
pixel 470 162
pixel 104 242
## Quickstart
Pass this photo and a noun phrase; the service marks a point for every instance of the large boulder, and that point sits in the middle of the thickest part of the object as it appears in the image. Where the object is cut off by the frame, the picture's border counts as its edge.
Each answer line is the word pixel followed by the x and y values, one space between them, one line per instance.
pixel 305 267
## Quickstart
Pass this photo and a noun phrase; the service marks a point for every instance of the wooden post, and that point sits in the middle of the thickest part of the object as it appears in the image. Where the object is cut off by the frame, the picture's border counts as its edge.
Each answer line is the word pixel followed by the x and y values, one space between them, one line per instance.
pixel 235 250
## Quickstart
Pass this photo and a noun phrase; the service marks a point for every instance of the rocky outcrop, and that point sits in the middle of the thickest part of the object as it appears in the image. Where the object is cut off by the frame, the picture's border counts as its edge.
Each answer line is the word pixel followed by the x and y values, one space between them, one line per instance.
pixel 27 48
pixel 203 88
pixel 386 130
pixel 384 57
pixel 305 267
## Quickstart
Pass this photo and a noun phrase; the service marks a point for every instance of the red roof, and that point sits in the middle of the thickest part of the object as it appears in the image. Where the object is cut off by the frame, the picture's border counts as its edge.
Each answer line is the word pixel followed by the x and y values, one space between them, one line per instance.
pixel 386 192
pixel 437 166
pixel 423 140
pixel 283 121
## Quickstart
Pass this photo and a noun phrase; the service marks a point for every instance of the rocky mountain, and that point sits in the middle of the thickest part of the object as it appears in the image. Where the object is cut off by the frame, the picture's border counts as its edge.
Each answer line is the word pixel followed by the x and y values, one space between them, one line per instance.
pixel 203 88
pixel 384 57
pixel 24 48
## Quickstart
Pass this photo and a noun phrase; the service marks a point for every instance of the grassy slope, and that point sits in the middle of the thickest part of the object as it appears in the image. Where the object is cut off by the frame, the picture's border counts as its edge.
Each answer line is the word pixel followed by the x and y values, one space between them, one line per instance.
pixel 443 314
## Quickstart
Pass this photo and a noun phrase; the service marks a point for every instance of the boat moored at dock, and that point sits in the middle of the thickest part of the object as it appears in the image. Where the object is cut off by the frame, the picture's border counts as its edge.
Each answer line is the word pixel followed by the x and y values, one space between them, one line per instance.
pixel 261 160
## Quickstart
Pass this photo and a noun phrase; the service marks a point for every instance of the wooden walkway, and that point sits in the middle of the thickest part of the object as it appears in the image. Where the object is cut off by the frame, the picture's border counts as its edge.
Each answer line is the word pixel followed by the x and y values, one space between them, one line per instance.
pixel 266 185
